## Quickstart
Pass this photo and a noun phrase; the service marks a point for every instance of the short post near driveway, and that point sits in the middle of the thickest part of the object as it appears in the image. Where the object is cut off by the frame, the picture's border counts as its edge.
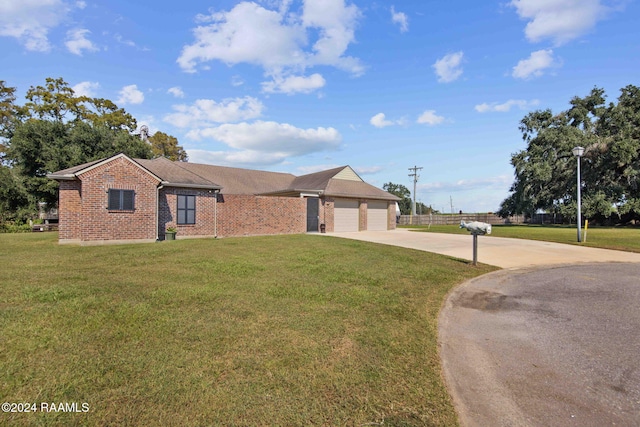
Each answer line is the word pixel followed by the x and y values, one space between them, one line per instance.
pixel 476 228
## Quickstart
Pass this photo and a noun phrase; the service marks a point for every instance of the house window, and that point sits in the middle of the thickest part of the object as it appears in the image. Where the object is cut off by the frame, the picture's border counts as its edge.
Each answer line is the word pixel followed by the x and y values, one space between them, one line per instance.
pixel 186 209
pixel 121 200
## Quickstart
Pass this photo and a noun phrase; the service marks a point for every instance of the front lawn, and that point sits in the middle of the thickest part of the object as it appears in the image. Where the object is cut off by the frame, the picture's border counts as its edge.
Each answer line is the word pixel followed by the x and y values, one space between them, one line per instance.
pixel 280 330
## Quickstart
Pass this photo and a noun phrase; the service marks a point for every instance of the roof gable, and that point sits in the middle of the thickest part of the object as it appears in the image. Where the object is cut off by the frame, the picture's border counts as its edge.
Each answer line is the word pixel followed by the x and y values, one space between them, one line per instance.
pixel 76 171
pixel 348 174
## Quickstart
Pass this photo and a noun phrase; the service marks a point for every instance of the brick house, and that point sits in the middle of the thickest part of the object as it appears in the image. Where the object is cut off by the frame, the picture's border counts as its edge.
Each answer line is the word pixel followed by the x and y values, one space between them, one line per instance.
pixel 135 200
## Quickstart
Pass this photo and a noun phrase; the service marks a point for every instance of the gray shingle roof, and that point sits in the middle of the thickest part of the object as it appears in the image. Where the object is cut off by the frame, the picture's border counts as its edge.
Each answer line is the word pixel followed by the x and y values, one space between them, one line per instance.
pixel 175 174
pixel 326 183
pixel 69 173
pixel 241 181
pixel 349 189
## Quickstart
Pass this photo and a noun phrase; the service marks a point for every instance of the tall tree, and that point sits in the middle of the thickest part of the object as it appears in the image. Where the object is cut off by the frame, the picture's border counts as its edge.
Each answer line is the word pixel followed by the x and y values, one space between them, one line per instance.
pixel 9 115
pixel 56 129
pixel 403 192
pixel 164 145
pixel 545 171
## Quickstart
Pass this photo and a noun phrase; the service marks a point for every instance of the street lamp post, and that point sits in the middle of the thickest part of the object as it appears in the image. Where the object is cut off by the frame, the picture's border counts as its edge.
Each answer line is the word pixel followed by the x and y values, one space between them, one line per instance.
pixel 578 152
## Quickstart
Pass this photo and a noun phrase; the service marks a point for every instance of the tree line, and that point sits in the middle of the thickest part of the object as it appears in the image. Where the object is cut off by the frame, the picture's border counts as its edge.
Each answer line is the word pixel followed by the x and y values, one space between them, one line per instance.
pixel 546 170
pixel 56 129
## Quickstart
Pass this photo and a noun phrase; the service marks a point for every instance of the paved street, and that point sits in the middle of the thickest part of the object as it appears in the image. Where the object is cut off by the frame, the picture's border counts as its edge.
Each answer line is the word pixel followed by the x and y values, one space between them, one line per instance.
pixel 545 347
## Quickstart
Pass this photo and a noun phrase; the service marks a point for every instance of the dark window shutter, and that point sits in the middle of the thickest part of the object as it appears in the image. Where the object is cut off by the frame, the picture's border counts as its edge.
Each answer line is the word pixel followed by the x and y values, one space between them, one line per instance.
pixel 114 199
pixel 127 200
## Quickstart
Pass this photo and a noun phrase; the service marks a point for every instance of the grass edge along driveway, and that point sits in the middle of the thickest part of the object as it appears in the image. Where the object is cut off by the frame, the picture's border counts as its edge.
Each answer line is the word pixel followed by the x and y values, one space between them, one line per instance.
pixel 616 238
pixel 279 330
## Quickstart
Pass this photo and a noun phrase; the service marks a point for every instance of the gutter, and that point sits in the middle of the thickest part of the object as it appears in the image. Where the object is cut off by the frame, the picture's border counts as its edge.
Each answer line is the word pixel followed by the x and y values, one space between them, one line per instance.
pixel 185 185
pixel 215 215
pixel 158 188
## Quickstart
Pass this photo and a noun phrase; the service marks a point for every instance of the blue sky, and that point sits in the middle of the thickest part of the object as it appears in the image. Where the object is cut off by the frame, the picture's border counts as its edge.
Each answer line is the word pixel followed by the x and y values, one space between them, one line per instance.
pixel 300 86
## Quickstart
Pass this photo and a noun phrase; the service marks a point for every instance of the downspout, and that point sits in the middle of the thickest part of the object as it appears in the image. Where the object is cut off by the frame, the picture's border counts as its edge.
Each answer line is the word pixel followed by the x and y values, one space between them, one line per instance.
pixel 215 215
pixel 158 188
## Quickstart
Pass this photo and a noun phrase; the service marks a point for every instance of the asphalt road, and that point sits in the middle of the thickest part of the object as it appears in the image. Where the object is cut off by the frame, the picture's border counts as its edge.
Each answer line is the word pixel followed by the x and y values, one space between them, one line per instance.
pixel 554 346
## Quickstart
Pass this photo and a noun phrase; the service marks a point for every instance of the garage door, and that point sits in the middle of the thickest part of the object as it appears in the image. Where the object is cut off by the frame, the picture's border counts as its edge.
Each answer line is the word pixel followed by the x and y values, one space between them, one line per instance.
pixel 346 216
pixel 377 216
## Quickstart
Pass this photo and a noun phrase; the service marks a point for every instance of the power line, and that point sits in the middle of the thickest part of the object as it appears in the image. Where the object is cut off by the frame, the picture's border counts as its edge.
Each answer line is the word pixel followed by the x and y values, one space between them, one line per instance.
pixel 415 176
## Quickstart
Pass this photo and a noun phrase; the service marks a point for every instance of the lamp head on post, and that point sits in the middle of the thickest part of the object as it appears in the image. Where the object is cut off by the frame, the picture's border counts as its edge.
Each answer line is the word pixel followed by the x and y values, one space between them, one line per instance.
pixel 578 151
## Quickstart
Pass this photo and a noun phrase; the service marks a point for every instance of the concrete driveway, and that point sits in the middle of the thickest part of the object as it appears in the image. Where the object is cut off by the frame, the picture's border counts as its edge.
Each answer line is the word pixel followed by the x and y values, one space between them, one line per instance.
pixel 498 251
pixel 553 340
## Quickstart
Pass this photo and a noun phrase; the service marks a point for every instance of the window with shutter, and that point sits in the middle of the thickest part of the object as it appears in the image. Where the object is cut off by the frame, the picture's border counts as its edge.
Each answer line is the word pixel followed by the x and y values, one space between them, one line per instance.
pixel 121 200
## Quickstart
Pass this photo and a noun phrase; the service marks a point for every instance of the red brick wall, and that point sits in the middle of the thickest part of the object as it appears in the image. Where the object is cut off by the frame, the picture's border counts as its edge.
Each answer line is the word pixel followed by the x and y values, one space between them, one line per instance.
pixel 205 212
pixel 327 213
pixel 246 215
pixel 363 215
pixel 99 223
pixel 391 216
pixel 69 210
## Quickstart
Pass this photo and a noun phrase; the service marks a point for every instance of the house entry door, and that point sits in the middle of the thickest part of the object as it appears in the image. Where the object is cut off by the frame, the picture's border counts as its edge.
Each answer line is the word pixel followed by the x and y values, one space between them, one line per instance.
pixel 313 211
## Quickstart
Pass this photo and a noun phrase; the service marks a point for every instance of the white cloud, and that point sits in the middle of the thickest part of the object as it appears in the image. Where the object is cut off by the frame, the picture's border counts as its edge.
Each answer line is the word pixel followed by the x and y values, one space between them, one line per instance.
pixel 263 142
pixel 367 170
pixel 205 112
pixel 448 68
pixel 124 41
pixel 86 89
pixel 429 117
pixel 294 84
pixel 176 91
pixel 495 182
pixel 130 95
pixel 505 106
pixel 234 158
pixel 30 21
pixel 401 19
pixel 237 81
pixel 559 20
pixel 77 41
pixel 379 121
pixel 535 65
pixel 319 34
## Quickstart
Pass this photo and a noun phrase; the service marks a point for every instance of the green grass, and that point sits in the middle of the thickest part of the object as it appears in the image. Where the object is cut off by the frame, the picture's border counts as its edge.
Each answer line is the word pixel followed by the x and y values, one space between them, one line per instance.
pixel 280 330
pixel 619 238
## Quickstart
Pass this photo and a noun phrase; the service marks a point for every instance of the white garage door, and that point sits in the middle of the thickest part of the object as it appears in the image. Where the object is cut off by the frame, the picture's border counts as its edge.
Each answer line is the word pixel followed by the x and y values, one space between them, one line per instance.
pixel 346 216
pixel 377 216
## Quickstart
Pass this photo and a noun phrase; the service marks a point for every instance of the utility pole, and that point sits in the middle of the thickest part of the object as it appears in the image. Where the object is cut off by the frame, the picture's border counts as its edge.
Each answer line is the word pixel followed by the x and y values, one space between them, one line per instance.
pixel 415 176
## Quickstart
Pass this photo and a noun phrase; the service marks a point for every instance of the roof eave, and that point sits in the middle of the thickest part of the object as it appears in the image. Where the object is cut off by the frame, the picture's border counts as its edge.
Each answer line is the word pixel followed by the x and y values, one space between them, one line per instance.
pixel 292 191
pixel 66 177
pixel 390 198
pixel 186 185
